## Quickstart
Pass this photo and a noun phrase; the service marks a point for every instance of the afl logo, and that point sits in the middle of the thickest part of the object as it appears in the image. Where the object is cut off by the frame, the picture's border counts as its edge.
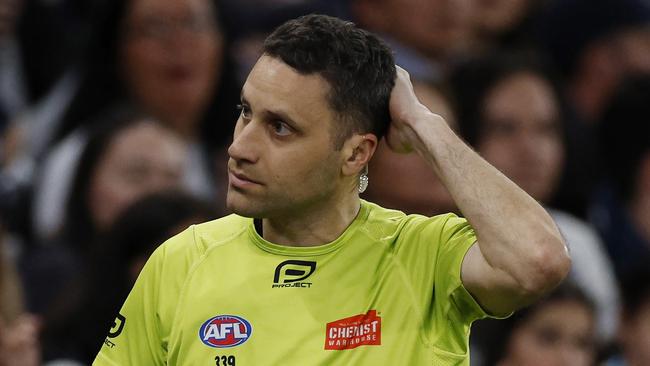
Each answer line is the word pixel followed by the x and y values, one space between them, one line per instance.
pixel 225 331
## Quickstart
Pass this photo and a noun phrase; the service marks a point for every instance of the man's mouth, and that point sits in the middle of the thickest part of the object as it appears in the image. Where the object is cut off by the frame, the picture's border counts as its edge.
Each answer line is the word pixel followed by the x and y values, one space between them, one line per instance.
pixel 241 180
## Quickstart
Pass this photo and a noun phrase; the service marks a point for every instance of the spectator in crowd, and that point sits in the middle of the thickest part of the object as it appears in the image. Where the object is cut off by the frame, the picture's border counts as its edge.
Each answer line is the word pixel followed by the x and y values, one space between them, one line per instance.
pixel 40 41
pixel 621 207
pixel 634 332
pixel 51 37
pixel 559 330
pixel 250 21
pixel 76 329
pixel 11 296
pixel 19 344
pixel 12 94
pixel 19 331
pixel 167 57
pixel 511 113
pixel 128 155
pixel 502 21
pixel 13 100
pixel 425 35
pixel 594 44
pixel 405 181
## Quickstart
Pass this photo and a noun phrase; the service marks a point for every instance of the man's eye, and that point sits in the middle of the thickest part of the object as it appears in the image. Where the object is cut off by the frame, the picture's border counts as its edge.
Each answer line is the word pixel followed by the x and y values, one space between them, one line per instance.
pixel 280 128
pixel 245 111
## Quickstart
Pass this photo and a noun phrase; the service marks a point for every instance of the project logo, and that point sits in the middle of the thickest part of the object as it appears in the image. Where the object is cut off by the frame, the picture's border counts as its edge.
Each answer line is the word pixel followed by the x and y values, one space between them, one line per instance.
pixel 225 331
pixel 292 273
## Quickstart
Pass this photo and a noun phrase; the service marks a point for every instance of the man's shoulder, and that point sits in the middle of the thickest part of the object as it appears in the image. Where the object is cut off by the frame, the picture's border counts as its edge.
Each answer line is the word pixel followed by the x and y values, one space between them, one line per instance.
pixel 220 231
pixel 386 221
pixel 199 238
pixel 223 226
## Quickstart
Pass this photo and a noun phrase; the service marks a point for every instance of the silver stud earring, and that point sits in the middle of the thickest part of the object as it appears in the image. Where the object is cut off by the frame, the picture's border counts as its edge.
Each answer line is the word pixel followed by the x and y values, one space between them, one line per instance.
pixel 363 180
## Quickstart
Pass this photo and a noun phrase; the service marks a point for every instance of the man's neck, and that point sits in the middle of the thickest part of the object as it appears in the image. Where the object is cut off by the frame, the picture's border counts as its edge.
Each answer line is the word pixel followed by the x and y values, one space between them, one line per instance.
pixel 316 226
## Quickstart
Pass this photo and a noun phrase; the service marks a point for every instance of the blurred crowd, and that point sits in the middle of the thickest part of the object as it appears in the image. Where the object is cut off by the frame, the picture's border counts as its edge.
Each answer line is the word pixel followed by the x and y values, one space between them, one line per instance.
pixel 115 118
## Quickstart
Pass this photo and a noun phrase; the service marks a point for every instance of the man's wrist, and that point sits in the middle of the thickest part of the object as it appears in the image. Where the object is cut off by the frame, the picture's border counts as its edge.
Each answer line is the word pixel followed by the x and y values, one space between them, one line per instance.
pixel 425 120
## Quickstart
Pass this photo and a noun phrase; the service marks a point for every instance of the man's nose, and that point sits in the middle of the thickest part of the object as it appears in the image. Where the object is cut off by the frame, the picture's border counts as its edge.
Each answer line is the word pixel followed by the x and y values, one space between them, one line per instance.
pixel 245 142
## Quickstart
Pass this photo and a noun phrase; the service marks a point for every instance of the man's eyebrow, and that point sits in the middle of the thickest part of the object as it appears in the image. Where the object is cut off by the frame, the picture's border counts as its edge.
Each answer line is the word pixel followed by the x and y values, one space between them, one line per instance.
pixel 273 114
pixel 284 117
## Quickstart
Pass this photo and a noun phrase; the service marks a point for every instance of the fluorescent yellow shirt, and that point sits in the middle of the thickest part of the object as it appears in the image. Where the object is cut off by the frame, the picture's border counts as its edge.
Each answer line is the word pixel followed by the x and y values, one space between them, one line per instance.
pixel 386 292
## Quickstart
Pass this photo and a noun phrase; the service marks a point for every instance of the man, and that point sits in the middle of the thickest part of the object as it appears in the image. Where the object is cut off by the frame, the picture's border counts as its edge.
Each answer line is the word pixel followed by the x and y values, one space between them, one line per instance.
pixel 305 272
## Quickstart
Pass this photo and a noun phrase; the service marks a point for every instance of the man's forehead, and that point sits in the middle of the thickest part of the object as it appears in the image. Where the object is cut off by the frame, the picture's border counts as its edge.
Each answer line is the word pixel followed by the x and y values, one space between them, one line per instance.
pixel 275 73
pixel 274 82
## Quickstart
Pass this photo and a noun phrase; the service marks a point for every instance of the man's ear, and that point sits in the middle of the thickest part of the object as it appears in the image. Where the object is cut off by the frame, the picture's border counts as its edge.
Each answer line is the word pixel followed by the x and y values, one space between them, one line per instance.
pixel 358 150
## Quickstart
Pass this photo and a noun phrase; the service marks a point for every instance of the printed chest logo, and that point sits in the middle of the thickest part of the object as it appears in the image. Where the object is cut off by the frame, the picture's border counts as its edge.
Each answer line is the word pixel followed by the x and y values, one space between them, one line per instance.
pixel 355 331
pixel 225 331
pixel 293 273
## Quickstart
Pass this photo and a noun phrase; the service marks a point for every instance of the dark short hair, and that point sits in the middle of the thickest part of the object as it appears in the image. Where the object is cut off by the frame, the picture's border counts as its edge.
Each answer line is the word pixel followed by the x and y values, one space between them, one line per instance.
pixel 498 333
pixel 624 135
pixel 476 78
pixel 79 226
pixel 358 66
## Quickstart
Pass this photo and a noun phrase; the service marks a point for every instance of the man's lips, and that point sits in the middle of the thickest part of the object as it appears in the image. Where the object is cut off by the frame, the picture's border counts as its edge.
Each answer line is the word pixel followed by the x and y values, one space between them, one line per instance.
pixel 241 180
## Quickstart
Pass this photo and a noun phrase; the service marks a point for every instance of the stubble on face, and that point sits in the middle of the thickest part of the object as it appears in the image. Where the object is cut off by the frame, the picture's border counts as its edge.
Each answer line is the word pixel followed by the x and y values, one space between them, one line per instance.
pixel 287 195
pixel 298 172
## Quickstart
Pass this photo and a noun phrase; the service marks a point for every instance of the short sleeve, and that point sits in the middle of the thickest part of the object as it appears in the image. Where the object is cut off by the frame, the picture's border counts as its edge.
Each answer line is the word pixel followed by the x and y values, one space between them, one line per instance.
pixel 135 338
pixel 455 308
pixel 142 328
pixel 432 251
pixel 456 238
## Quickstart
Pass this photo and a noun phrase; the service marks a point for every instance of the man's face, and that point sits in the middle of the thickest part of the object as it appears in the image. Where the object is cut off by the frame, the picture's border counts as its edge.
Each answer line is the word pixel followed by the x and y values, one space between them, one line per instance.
pixel 282 159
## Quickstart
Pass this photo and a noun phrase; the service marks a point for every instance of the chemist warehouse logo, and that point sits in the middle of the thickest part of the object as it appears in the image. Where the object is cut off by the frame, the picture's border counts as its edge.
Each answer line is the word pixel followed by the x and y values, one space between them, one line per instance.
pixel 292 273
pixel 225 331
pixel 355 331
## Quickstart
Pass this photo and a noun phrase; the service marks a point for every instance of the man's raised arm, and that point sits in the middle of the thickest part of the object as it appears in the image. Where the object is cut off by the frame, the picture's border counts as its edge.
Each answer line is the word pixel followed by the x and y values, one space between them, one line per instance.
pixel 520 254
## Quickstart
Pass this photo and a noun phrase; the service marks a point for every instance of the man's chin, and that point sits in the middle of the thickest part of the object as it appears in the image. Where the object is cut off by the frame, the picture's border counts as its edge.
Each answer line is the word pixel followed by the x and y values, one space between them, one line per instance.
pixel 243 207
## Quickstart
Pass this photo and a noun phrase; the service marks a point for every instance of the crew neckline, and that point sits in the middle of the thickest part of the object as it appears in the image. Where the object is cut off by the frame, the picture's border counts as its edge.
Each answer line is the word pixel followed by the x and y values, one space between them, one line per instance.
pixel 287 250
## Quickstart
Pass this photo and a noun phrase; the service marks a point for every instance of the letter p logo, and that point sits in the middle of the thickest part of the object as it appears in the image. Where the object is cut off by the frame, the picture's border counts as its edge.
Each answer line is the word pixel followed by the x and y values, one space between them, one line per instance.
pixel 293 271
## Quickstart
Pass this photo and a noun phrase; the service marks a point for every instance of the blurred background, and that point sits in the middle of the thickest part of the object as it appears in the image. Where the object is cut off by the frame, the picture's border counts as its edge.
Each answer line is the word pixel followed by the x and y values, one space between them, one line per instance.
pixel 115 117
